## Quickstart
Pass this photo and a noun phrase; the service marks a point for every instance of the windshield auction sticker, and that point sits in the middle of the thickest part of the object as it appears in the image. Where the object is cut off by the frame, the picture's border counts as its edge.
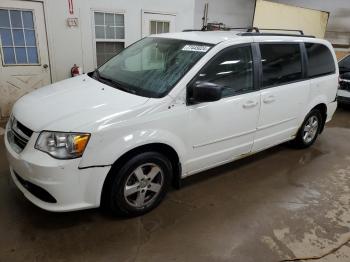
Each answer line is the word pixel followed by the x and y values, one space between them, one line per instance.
pixel 195 48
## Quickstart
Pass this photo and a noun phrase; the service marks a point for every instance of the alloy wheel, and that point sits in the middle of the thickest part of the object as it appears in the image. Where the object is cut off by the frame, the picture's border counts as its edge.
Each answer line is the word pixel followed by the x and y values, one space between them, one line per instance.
pixel 310 129
pixel 143 185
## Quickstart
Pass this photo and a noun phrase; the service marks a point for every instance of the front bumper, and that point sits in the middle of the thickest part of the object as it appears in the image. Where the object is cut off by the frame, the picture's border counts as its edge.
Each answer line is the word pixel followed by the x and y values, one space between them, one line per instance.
pixel 71 188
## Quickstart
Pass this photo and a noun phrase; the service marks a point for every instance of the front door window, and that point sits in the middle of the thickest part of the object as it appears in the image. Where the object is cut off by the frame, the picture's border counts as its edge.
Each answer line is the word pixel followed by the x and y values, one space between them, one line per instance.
pixel 232 69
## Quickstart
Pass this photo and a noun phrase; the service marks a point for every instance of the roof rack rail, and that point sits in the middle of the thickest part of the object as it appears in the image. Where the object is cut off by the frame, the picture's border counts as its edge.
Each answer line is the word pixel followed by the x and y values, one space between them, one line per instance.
pixel 285 30
pixel 273 34
pixel 301 33
pixel 192 30
pixel 250 31
pixel 221 27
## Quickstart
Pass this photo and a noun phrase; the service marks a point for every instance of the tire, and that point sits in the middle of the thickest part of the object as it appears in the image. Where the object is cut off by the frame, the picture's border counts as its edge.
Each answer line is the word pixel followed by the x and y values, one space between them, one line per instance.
pixel 313 122
pixel 138 186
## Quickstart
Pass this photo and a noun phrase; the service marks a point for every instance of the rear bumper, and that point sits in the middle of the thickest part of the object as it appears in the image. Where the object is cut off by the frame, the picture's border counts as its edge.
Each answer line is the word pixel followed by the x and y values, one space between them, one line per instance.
pixel 40 176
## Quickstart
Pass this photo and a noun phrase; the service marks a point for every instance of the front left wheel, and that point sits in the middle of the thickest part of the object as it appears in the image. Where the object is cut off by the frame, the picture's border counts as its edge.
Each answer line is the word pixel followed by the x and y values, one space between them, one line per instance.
pixel 139 185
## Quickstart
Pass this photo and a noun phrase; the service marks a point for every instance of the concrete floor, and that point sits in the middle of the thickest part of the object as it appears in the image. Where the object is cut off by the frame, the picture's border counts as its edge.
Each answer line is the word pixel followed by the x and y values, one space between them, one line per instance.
pixel 279 205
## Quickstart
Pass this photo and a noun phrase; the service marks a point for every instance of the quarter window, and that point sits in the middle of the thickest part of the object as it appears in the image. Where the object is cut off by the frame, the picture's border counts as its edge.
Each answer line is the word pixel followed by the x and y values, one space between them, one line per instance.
pixel 320 60
pixel 17 37
pixel 109 35
pixel 281 63
pixel 232 69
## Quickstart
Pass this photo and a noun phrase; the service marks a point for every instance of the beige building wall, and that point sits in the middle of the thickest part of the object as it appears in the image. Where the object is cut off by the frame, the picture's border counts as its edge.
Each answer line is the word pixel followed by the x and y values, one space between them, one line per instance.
pixel 275 15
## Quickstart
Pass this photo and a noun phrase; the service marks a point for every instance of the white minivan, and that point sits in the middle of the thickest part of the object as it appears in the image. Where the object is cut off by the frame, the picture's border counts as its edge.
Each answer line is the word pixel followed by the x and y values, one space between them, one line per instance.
pixel 167 107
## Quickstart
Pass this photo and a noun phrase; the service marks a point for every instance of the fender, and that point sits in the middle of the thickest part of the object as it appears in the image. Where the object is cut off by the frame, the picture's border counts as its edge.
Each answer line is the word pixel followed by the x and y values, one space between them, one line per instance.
pixel 105 149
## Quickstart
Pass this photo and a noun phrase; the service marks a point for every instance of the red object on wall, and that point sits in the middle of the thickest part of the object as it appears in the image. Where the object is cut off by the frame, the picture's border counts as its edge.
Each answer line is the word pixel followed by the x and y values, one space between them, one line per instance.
pixel 70 7
pixel 75 71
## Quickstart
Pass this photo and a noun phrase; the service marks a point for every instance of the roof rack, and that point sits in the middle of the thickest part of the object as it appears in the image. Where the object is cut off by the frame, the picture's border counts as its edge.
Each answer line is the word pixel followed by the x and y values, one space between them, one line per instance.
pixel 193 30
pixel 285 30
pixel 250 31
pixel 221 27
pixel 259 33
pixel 273 34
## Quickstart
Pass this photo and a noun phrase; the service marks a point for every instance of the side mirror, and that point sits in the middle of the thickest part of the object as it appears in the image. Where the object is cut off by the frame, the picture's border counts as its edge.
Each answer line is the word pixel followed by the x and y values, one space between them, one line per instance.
pixel 205 92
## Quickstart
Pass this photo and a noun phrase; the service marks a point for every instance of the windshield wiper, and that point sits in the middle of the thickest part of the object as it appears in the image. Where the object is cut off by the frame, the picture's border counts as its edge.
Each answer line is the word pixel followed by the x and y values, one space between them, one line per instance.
pixel 114 83
pixel 110 82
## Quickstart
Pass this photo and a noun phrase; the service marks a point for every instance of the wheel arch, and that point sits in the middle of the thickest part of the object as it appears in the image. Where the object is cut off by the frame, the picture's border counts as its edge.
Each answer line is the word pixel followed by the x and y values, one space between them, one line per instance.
pixel 322 107
pixel 320 104
pixel 162 148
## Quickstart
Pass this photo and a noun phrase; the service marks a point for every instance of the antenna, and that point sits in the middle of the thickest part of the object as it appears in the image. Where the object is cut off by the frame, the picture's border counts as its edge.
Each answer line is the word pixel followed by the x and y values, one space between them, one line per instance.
pixel 205 16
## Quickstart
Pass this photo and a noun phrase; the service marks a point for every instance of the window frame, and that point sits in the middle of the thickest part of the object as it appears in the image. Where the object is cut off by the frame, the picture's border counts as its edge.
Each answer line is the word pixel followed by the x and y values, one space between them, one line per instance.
pixel 256 74
pixel 307 62
pixel 25 46
pixel 160 21
pixel 303 58
pixel 96 40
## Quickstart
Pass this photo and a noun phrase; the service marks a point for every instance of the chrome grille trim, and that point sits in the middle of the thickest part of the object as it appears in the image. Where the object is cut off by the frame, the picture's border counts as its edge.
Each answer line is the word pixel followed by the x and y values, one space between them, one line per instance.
pixel 16 137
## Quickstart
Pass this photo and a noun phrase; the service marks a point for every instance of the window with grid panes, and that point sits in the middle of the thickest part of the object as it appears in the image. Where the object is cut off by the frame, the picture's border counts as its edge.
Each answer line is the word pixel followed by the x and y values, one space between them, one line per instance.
pixel 109 35
pixel 17 37
pixel 158 27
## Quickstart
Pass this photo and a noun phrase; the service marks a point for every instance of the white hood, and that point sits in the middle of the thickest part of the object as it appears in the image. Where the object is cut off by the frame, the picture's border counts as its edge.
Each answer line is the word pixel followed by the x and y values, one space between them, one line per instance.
pixel 73 104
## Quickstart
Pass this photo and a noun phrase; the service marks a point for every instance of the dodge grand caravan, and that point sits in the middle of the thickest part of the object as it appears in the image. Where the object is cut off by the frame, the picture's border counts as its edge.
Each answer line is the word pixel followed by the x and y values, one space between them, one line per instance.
pixel 167 107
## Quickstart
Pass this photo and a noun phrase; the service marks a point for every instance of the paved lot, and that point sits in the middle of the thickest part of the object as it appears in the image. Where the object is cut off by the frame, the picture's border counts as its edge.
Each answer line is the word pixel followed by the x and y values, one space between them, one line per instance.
pixel 278 205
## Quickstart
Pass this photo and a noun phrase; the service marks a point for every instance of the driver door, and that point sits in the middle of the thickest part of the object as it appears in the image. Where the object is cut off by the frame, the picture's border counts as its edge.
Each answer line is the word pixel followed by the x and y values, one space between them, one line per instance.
pixel 224 130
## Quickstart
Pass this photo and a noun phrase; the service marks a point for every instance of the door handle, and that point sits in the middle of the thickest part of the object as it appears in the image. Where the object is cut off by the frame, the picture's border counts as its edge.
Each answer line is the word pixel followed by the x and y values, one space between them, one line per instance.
pixel 250 104
pixel 45 66
pixel 269 99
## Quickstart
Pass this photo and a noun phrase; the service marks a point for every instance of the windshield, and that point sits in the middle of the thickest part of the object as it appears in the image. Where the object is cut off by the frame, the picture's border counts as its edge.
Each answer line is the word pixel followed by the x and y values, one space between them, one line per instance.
pixel 344 65
pixel 152 66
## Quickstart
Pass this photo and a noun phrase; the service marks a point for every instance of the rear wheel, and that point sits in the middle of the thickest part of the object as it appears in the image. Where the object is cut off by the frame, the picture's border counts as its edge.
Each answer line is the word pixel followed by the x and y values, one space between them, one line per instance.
pixel 139 185
pixel 309 130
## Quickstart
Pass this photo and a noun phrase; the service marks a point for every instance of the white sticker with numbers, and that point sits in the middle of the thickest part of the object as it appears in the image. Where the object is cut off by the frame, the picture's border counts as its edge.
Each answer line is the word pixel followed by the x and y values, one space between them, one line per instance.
pixel 196 48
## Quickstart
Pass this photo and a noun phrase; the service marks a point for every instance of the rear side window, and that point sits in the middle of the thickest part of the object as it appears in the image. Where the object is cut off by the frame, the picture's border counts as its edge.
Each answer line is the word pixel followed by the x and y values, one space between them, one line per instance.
pixel 320 60
pixel 281 63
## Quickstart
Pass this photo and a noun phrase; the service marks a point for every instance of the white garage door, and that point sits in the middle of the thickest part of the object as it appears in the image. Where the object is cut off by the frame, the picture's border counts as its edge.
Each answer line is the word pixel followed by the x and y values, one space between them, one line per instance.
pixel 24 64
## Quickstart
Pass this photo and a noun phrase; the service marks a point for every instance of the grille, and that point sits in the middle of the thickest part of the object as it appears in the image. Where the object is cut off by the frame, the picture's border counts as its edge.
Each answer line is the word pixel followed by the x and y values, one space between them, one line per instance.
pixel 18 135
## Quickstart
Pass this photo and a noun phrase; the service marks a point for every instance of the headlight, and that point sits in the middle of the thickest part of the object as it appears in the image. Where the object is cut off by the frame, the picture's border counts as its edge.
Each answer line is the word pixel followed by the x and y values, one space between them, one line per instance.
pixel 62 145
